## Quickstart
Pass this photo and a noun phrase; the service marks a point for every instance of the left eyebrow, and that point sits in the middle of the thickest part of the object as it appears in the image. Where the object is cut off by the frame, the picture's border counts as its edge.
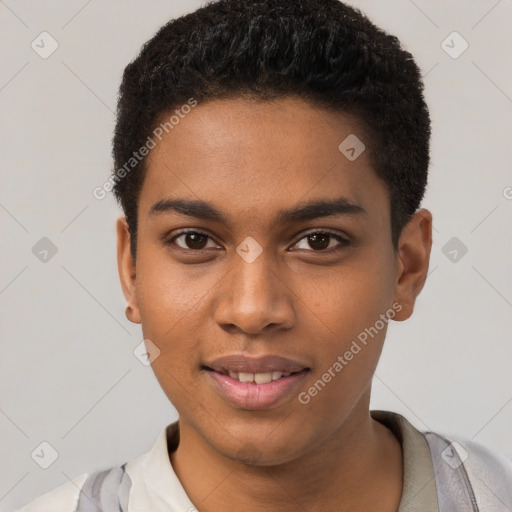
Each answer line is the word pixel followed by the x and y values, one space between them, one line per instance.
pixel 319 209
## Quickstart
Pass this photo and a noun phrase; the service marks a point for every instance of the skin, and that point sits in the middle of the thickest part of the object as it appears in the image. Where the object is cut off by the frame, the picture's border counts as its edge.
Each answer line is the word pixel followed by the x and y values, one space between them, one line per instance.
pixel 251 159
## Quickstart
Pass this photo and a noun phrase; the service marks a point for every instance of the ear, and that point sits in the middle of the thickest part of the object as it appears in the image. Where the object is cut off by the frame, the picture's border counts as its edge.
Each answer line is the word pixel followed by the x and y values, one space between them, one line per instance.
pixel 413 259
pixel 126 269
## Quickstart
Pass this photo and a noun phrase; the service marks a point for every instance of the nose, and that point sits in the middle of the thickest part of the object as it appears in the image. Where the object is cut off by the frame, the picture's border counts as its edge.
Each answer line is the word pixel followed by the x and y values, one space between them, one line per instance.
pixel 253 298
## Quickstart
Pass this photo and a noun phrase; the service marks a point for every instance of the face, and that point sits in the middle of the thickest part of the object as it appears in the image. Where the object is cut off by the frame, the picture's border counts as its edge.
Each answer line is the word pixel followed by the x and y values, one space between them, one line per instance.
pixel 262 249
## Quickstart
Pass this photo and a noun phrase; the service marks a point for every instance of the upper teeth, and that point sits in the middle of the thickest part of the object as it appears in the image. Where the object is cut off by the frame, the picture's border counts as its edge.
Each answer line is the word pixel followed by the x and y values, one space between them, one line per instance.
pixel 258 378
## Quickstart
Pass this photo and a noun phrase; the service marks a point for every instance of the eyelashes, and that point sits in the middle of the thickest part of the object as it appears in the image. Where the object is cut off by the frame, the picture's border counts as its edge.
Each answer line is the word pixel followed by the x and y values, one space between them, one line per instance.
pixel 320 238
pixel 195 237
pixel 193 240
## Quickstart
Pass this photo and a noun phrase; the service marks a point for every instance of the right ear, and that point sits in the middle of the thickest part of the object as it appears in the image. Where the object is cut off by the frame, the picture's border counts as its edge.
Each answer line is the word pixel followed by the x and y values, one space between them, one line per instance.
pixel 126 269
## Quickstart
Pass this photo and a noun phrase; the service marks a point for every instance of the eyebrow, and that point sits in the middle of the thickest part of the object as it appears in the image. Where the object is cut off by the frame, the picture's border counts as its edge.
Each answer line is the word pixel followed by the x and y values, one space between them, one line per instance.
pixel 300 213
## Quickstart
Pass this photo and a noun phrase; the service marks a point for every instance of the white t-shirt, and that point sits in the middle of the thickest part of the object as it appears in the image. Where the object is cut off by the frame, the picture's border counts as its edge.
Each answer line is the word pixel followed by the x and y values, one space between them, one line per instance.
pixel 156 487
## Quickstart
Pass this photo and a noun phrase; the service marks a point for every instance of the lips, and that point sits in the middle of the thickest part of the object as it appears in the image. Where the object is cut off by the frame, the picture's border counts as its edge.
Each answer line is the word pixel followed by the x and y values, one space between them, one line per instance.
pixel 256 383
pixel 265 364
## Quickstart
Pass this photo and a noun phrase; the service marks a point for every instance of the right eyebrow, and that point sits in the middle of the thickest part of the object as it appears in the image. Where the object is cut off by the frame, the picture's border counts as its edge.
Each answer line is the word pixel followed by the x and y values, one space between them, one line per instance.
pixel 192 208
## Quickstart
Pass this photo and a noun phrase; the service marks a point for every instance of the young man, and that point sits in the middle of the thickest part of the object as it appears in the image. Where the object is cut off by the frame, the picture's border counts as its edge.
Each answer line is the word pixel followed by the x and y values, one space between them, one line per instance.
pixel 270 159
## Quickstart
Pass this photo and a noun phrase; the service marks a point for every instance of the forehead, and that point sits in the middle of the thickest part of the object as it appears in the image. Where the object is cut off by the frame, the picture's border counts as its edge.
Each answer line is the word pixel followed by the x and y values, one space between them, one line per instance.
pixel 253 157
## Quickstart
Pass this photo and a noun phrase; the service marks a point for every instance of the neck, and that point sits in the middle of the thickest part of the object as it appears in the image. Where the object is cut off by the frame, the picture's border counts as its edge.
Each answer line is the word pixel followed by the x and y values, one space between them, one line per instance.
pixel 359 467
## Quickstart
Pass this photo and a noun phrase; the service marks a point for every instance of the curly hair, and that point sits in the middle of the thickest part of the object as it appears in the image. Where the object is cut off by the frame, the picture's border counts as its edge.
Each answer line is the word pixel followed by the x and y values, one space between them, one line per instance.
pixel 322 51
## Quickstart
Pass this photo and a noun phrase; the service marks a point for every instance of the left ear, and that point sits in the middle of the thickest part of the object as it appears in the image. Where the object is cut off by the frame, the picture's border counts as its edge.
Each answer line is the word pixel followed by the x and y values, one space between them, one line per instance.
pixel 413 256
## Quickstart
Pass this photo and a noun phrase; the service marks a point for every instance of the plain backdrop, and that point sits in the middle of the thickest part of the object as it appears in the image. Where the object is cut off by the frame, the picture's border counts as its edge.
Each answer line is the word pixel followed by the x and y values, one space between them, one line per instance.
pixel 68 373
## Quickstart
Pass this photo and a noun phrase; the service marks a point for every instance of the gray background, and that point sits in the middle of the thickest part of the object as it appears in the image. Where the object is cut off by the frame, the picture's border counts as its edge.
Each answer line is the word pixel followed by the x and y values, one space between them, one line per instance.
pixel 68 373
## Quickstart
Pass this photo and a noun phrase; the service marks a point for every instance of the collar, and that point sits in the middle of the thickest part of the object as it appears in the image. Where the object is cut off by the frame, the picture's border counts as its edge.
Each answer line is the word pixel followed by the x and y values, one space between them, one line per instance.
pixel 156 486
pixel 418 486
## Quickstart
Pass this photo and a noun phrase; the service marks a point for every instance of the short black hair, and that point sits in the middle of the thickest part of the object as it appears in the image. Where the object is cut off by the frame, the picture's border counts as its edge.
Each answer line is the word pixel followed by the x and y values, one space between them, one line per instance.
pixel 323 51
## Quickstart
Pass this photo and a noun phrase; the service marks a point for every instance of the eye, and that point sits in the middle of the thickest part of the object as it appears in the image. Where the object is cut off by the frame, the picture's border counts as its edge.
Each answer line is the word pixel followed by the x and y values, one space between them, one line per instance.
pixel 322 241
pixel 193 240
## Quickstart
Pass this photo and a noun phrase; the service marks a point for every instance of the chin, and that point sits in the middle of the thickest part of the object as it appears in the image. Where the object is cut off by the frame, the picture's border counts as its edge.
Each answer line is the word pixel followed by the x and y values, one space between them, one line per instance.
pixel 259 453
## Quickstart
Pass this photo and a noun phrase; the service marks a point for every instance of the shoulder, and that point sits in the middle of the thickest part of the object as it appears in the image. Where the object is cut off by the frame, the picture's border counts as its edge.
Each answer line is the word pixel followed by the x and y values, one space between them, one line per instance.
pixel 107 488
pixel 61 499
pixel 457 450
pixel 484 475
pixel 104 489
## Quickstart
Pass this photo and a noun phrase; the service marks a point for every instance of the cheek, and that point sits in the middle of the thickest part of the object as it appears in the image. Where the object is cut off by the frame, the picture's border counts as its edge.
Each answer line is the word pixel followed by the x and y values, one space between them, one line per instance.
pixel 175 308
pixel 167 293
pixel 172 316
pixel 349 298
pixel 349 334
pixel 169 305
pixel 344 315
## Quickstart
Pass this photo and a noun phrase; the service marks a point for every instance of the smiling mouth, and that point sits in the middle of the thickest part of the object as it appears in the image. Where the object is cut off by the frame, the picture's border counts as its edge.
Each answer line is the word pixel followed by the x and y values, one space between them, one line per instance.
pixel 259 390
pixel 255 378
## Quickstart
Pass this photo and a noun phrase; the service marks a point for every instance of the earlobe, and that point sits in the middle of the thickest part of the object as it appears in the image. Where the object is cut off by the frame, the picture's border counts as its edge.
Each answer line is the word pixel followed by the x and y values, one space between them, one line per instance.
pixel 413 258
pixel 132 315
pixel 126 269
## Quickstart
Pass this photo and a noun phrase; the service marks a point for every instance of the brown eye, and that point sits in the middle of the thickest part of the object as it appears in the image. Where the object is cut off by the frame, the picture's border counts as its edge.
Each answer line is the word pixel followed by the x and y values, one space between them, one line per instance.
pixel 321 241
pixel 192 240
pixel 195 241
